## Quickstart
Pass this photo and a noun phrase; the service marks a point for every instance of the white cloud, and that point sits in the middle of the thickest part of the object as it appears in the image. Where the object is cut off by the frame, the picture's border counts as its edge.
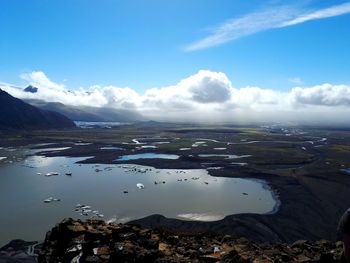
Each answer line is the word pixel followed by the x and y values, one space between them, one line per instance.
pixel 108 96
pixel 270 18
pixel 38 78
pixel 322 95
pixel 319 14
pixel 205 96
pixel 243 26
pixel 296 81
pixel 207 87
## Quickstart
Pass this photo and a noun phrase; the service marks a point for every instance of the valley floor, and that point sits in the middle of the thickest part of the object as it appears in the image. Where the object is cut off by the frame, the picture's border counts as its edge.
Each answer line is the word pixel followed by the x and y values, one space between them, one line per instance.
pixel 306 167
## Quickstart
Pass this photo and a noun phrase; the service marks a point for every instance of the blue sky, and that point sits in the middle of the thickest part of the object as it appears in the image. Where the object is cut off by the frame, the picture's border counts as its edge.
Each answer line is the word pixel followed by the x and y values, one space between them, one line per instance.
pixel 144 44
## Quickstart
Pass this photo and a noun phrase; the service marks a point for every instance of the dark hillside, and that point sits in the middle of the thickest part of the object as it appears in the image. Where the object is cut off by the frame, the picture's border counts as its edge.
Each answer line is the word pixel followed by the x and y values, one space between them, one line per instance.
pixel 16 114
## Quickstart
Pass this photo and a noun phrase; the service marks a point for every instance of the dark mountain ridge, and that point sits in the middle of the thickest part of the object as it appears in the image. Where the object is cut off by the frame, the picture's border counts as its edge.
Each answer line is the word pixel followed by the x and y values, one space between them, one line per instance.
pixel 89 114
pixel 16 114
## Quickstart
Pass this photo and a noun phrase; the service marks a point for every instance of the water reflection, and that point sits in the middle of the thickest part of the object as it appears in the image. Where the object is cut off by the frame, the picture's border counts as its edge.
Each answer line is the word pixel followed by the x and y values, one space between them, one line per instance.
pixel 113 191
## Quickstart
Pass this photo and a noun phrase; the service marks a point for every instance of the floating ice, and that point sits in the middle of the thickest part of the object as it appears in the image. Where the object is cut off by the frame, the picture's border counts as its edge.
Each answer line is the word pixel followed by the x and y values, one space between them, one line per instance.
pixel 52 174
pixel 51 199
pixel 140 186
pixel 48 200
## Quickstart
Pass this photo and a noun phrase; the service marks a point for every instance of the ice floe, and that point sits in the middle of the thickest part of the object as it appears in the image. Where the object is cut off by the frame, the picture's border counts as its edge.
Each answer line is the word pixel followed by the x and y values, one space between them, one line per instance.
pixel 51 199
pixel 140 186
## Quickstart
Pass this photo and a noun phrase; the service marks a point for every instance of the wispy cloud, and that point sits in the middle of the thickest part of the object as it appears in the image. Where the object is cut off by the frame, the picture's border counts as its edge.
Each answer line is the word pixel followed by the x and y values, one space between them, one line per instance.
pixel 319 14
pixel 276 17
pixel 296 81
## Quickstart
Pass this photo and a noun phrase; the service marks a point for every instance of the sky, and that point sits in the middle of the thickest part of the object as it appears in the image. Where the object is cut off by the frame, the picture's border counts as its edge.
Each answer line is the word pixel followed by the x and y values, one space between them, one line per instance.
pixel 202 54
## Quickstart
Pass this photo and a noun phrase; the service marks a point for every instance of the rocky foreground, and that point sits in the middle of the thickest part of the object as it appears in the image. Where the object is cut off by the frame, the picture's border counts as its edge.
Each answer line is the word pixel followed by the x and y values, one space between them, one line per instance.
pixel 96 241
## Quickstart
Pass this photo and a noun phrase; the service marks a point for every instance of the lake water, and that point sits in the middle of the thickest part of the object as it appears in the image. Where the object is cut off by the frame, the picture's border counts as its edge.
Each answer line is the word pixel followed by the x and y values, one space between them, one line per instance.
pixel 346 170
pixel 186 194
pixel 148 156
pixel 226 156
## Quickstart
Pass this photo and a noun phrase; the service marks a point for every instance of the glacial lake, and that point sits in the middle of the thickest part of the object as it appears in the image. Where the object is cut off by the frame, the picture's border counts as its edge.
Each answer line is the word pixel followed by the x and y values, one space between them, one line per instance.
pixel 113 191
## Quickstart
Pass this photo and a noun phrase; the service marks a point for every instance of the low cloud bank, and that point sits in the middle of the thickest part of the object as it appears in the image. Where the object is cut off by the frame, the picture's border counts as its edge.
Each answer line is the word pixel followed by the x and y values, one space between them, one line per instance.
pixel 206 96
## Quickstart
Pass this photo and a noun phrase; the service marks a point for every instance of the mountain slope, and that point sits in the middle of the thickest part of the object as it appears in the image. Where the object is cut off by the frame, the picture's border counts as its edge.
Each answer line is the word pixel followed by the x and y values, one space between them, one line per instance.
pixel 16 114
pixel 84 113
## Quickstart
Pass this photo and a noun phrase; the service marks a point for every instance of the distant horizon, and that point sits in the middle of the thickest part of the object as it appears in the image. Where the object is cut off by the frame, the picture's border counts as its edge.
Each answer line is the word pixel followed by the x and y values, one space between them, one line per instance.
pixel 184 61
pixel 203 97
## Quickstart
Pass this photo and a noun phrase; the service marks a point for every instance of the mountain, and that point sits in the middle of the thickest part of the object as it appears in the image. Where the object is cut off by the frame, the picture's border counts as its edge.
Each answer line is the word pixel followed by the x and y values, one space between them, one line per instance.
pixel 16 114
pixel 89 114
pixel 31 89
